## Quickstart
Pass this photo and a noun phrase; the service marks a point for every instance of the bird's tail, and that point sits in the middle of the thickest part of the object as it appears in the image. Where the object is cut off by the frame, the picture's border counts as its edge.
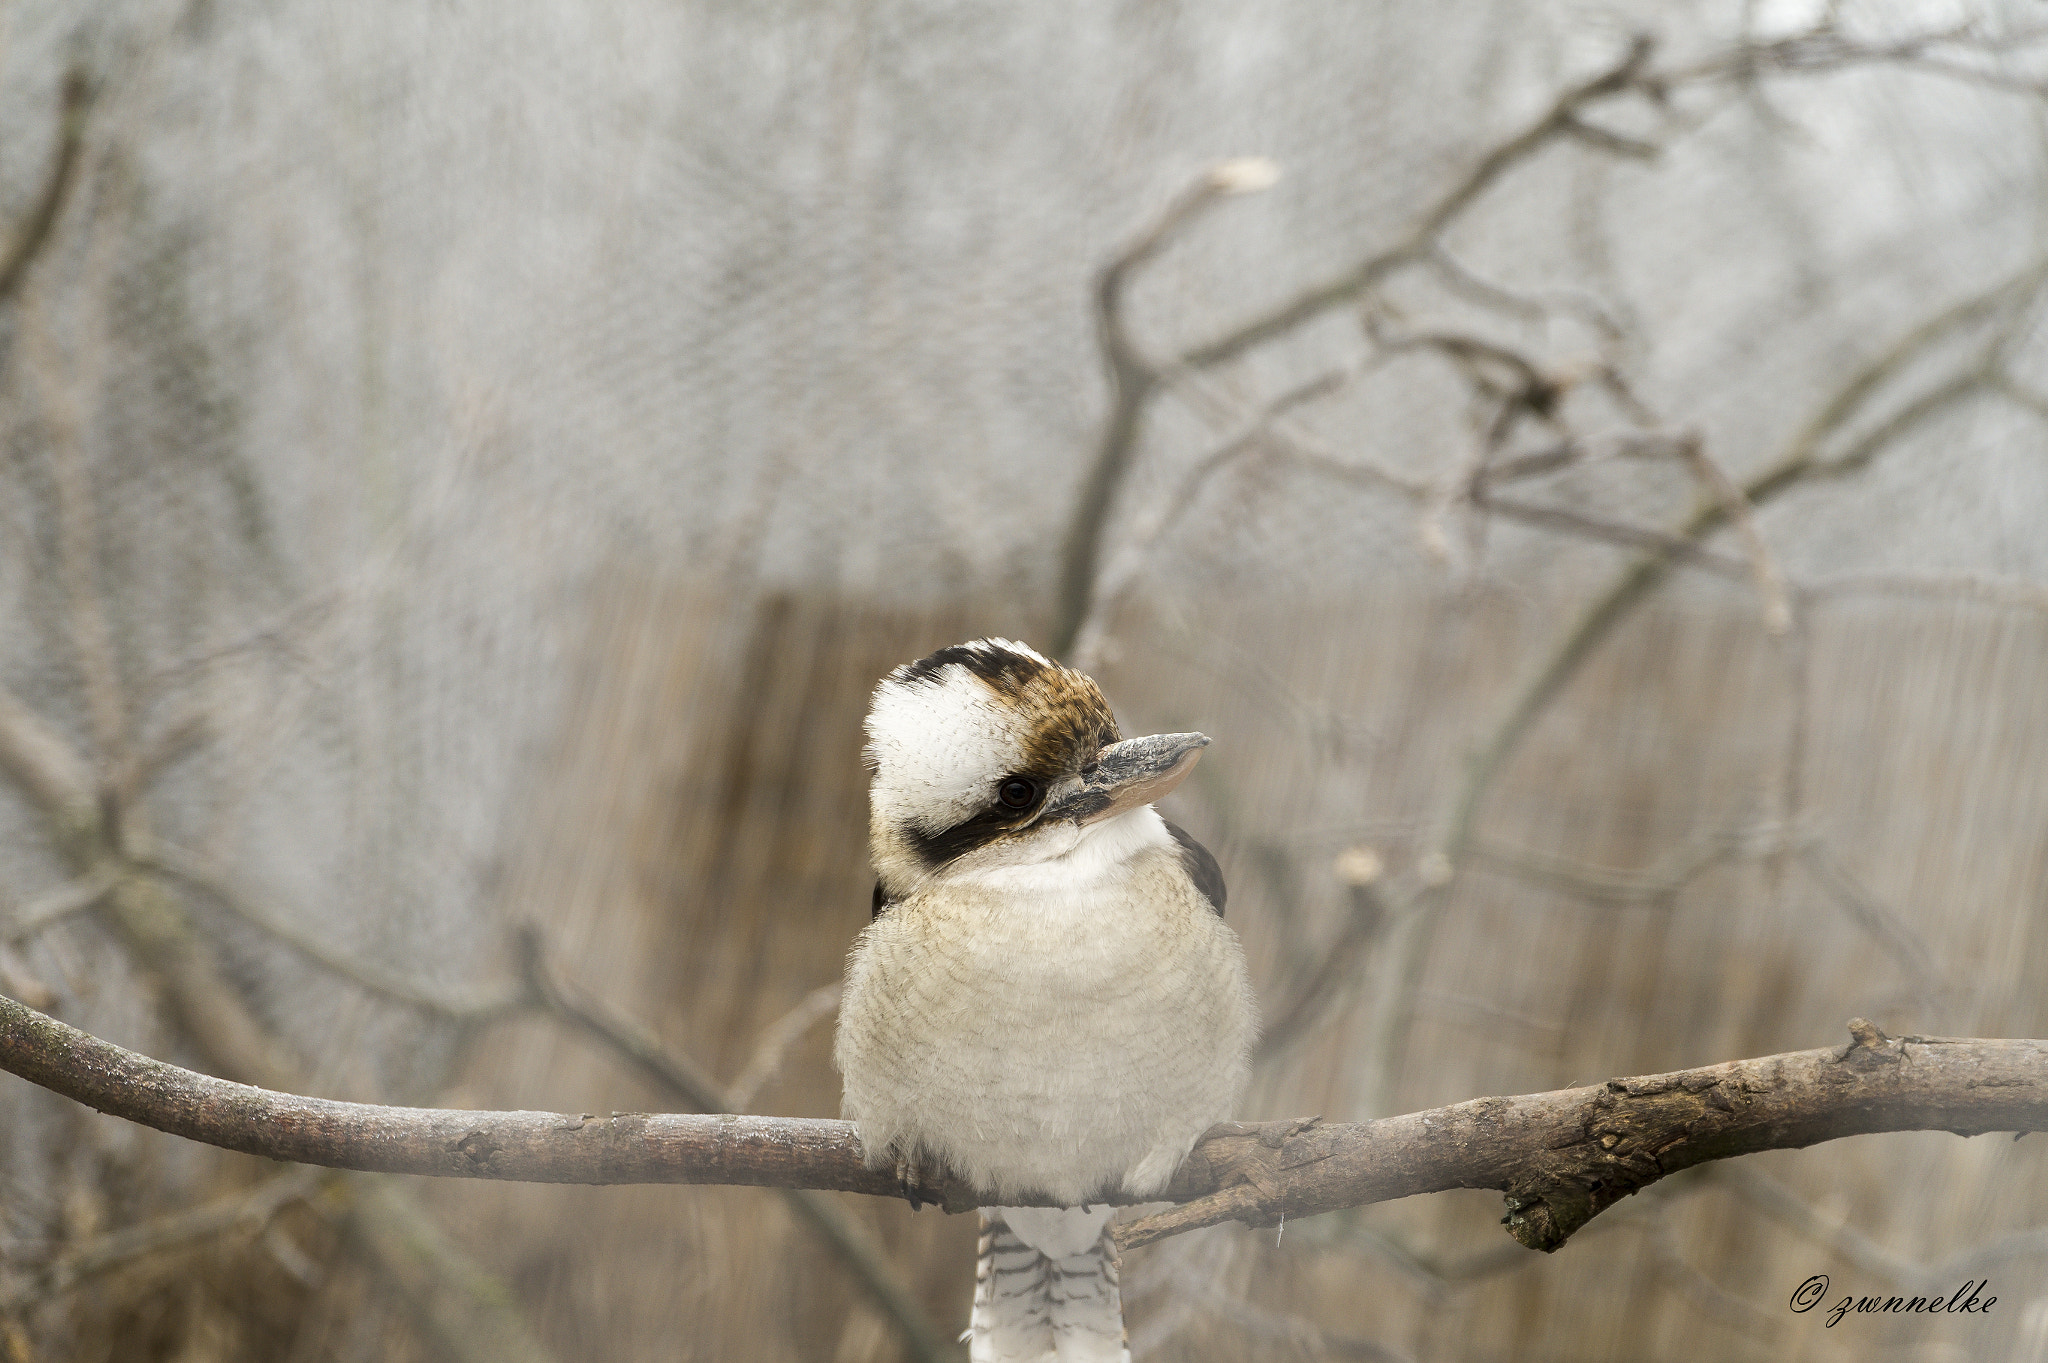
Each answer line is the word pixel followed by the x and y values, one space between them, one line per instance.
pixel 1045 1288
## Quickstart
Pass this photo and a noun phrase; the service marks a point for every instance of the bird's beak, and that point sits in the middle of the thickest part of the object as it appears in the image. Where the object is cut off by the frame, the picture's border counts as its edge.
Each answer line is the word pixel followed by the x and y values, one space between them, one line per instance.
pixel 1134 772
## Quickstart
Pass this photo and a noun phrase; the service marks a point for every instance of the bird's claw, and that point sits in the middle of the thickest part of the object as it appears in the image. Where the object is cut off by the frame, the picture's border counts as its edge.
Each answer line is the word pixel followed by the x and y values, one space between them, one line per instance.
pixel 921 1179
pixel 1272 1135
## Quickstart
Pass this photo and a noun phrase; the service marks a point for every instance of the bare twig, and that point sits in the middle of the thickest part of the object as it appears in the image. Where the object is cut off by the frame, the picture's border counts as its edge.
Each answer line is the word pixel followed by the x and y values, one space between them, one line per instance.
pixel 1825 49
pixel 1493 370
pixel 1680 549
pixel 771 1048
pixel 1461 279
pixel 45 766
pixel 2024 396
pixel 466 1312
pixel 1577 1151
pixel 1561 1157
pixel 200 874
pixel 670 1071
pixel 1578 451
pixel 1132 379
pixel 1260 430
pixel 249 1211
pixel 1804 459
pixel 34 232
pixel 1556 123
pixel 2026 1244
pixel 1709 1296
pixel 1655 887
pixel 71 897
pixel 1439 1275
pixel 171 743
pixel 1898 940
pixel 681 1080
pixel 1774 1199
pixel 1770 581
pixel 281 633
pixel 96 819
pixel 1135 380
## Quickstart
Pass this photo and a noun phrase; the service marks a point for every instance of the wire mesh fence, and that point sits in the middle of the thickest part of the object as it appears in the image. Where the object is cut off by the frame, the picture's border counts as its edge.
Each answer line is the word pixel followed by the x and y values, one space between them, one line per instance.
pixel 466 466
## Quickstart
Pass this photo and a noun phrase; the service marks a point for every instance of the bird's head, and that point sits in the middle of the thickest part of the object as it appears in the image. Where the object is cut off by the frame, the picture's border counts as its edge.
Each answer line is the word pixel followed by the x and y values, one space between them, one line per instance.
pixel 989 754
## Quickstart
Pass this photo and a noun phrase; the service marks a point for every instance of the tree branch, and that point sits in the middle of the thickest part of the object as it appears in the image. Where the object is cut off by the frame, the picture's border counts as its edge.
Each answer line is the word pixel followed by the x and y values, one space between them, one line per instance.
pixel 44 765
pixel 1132 380
pixel 1558 121
pixel 772 1047
pixel 35 231
pixel 1803 460
pixel 1135 379
pixel 1561 1157
pixel 250 1209
pixel 681 1080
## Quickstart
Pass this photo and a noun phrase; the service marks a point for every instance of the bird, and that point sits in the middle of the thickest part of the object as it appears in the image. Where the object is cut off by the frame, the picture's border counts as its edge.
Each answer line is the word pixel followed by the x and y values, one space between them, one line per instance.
pixel 1046 1003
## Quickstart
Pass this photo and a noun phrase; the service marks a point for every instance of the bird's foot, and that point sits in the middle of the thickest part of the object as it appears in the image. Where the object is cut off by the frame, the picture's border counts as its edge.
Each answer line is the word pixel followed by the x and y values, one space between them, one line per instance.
pixel 1241 1152
pixel 1272 1135
pixel 921 1178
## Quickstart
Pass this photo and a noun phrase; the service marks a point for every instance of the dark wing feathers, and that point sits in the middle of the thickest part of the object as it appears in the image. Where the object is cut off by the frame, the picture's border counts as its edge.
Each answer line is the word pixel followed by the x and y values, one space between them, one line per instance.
pixel 1202 867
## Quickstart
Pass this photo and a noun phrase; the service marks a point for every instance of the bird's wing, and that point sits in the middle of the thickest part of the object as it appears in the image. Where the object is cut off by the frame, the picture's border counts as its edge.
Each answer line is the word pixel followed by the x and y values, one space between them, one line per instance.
pixel 1202 867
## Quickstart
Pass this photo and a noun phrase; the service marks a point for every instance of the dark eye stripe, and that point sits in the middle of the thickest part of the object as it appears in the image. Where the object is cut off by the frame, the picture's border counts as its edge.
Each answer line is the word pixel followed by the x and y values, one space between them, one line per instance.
pixel 977 830
pixel 936 849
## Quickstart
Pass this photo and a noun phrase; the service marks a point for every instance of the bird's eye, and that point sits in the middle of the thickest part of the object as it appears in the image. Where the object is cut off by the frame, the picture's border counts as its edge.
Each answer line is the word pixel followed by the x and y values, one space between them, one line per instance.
pixel 1017 793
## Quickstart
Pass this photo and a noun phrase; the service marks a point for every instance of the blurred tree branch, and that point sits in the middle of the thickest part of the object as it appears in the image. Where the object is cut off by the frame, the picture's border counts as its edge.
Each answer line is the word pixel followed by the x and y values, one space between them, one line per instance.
pixel 116 864
pixel 1561 1157
pixel 1132 381
pixel 96 809
pixel 250 1210
pixel 539 989
pixel 1135 379
pixel 682 1081
pixel 1825 47
pixel 93 804
pixel 1830 446
pixel 74 103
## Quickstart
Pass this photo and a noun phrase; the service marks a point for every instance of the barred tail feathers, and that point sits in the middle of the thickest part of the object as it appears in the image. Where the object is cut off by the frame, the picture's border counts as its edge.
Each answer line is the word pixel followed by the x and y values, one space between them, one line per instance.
pixel 1045 1288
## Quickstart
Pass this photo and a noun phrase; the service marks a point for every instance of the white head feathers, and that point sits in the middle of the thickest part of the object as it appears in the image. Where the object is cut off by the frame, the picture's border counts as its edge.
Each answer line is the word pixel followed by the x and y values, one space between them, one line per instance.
pixel 946 731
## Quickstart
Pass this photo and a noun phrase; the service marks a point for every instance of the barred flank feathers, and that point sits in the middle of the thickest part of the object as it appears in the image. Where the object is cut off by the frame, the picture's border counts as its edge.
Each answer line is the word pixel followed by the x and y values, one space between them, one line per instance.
pixel 1051 1298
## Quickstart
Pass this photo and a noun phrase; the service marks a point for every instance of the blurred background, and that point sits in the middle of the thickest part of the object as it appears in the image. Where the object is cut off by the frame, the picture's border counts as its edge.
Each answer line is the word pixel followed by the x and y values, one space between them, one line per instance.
pixel 462 467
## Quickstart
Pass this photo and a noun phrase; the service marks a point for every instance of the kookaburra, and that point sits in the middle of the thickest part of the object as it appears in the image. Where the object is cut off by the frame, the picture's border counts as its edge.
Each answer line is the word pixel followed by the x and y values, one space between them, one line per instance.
pixel 1047 1002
